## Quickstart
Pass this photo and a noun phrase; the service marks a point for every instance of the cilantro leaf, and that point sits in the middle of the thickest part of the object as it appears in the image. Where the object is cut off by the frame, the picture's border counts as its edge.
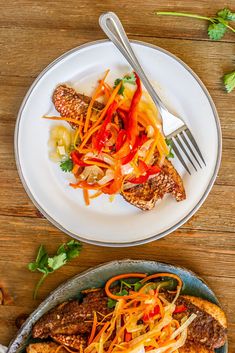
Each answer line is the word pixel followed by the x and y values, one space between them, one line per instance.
pixel 111 303
pixel 122 292
pixel 57 261
pixel 137 286
pixel 126 79
pixel 226 14
pixel 66 166
pixel 32 266
pixel 48 265
pixel 124 283
pixel 129 79
pixel 229 81
pixel 216 31
pixel 169 144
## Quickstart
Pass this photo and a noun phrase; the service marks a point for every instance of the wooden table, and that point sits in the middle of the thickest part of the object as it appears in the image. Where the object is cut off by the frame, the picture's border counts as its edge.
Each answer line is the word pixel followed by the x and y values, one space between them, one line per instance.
pixel 32 34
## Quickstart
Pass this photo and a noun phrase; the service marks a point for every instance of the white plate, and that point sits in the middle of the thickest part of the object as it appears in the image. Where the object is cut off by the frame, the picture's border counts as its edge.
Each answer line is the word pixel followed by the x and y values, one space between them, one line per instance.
pixel 117 223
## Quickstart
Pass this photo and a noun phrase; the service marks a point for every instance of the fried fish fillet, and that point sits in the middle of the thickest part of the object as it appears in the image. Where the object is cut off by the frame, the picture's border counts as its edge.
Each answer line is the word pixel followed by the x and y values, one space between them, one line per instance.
pixel 70 103
pixel 167 181
pixel 72 341
pixel 71 318
pixel 44 347
pixel 189 347
pixel 208 329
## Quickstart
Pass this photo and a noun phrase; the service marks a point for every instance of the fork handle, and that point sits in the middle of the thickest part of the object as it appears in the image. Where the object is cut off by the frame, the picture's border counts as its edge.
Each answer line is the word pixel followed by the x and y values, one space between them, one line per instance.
pixel 112 27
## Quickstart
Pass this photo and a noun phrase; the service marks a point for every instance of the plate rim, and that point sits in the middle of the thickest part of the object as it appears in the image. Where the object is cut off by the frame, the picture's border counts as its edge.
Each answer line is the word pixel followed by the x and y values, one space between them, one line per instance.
pixel 150 238
pixel 14 344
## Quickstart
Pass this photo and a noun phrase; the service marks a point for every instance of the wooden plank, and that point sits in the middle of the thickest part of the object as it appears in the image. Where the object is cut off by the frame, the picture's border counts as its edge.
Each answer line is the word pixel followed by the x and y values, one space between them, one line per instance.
pixel 25 44
pixel 33 33
pixel 137 17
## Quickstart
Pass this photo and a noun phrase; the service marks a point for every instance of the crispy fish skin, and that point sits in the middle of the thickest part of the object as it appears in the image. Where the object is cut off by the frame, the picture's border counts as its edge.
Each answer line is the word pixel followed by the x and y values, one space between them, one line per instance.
pixel 44 347
pixel 71 318
pixel 189 347
pixel 167 181
pixel 209 328
pixel 70 103
pixel 72 341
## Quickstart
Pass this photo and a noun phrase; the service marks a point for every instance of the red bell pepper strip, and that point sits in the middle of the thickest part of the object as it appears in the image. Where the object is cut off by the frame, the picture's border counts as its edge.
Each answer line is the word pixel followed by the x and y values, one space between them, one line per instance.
pixel 140 140
pixel 143 178
pixel 102 135
pixel 128 337
pixel 132 131
pixel 143 168
pixel 76 158
pixel 151 314
pixel 180 309
pixel 121 138
pixel 123 115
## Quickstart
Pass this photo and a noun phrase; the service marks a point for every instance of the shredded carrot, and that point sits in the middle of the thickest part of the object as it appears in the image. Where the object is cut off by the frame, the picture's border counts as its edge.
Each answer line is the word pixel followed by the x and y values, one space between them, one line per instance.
pixel 87 136
pixel 69 120
pixel 118 277
pixel 94 97
pixel 93 330
pixel 75 169
pixel 101 331
pixel 98 193
pixel 86 196
pixel 99 164
pixel 110 101
pixel 151 150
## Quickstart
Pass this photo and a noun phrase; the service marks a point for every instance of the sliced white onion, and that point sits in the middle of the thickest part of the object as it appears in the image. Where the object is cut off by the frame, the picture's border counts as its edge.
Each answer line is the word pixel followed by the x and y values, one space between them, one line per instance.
pixel 172 347
pixel 89 155
pixel 109 175
pixel 139 349
pixel 150 131
pixel 184 326
pixel 144 148
pixel 127 169
pixel 91 174
pixel 107 159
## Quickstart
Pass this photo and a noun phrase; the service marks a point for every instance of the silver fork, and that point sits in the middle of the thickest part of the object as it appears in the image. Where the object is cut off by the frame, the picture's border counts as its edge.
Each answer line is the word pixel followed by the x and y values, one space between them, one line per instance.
pixel 174 128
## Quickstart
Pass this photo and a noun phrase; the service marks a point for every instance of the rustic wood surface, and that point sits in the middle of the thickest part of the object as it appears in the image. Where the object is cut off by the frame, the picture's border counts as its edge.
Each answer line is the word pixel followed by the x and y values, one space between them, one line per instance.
pixel 32 34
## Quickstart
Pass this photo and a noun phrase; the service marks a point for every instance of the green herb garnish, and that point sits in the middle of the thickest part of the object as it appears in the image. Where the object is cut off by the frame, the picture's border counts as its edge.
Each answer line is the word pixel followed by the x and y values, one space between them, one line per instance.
pixel 229 81
pixel 217 27
pixel 136 286
pixel 47 265
pixel 67 165
pixel 126 79
pixel 169 144
pixel 218 24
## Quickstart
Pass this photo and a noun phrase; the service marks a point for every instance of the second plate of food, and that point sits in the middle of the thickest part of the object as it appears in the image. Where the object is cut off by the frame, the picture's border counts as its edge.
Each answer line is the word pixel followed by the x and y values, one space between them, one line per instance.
pixel 58 91
pixel 127 306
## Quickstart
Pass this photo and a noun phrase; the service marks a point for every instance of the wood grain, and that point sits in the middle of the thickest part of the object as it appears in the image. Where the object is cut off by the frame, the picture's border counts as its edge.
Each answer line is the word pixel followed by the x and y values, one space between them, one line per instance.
pixel 32 34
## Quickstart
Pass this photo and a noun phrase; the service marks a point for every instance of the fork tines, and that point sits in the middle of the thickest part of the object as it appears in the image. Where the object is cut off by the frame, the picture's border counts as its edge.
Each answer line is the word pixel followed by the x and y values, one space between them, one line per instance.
pixel 185 142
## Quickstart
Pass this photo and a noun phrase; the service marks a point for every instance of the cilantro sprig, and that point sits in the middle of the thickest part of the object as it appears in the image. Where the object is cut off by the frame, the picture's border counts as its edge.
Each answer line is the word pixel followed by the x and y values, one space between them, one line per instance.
pixel 126 79
pixel 217 27
pixel 47 265
pixel 218 24
pixel 123 291
pixel 66 166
